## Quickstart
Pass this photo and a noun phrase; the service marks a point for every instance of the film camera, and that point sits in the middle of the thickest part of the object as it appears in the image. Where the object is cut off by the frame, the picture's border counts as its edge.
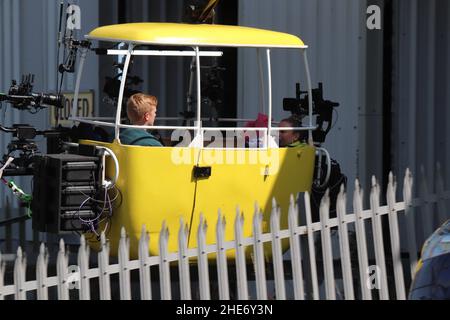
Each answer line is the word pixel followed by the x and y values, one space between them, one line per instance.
pixel 322 108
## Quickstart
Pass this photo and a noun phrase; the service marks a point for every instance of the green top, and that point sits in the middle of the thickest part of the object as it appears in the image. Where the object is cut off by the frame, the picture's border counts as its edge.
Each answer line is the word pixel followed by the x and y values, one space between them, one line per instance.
pixel 138 137
pixel 295 144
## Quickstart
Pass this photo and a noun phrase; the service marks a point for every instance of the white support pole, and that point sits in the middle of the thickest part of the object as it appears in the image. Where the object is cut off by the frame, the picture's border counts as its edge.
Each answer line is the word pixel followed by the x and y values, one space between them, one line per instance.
pixel 395 239
pixel 144 266
pixel 308 80
pixel 122 89
pixel 346 264
pixel 361 241
pixel 262 95
pixel 77 84
pixel 199 134
pixel 269 99
pixel 222 268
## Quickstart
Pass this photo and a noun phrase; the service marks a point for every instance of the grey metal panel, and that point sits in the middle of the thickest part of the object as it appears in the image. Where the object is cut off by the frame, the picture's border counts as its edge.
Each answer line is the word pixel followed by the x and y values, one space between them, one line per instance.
pixel 333 30
pixel 28 33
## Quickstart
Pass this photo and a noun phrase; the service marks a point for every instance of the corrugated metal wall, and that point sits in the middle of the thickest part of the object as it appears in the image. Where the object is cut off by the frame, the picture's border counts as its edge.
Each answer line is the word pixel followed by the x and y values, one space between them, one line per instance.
pixel 28 33
pixel 336 34
pixel 421 96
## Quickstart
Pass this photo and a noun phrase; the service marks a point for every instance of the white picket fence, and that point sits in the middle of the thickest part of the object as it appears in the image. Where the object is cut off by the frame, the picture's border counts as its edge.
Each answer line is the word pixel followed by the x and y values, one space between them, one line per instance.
pixel 65 279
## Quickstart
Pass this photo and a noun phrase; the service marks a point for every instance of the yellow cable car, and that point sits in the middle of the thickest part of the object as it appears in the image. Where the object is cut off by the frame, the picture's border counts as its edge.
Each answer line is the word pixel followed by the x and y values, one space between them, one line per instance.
pixel 167 183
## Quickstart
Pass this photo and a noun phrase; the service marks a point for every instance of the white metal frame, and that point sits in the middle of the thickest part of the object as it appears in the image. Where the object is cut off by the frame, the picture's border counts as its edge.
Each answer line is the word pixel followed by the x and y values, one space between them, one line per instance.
pixel 198 141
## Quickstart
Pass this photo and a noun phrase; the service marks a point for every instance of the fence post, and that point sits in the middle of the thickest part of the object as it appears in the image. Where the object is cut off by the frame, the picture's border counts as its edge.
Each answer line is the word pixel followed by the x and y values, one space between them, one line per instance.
pixel 295 249
pixel 346 264
pixel 62 265
pixel 377 230
pixel 395 239
pixel 124 271
pixel 427 213
pixel 83 263
pixel 361 241
pixel 164 266
pixel 311 247
pixel 258 251
pixel 442 210
pixel 41 273
pixel 327 251
pixel 103 266
pixel 2 274
pixel 241 269
pixel 222 267
pixel 144 267
pixel 183 262
pixel 410 221
pixel 20 266
pixel 203 271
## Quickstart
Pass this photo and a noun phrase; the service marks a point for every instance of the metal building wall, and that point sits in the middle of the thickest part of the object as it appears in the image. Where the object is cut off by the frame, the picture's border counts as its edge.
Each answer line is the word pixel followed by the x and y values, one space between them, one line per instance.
pixel 421 99
pixel 336 34
pixel 28 33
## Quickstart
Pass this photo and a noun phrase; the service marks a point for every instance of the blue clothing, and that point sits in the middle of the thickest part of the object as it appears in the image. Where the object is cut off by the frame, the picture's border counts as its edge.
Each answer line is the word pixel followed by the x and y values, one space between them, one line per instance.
pixel 138 137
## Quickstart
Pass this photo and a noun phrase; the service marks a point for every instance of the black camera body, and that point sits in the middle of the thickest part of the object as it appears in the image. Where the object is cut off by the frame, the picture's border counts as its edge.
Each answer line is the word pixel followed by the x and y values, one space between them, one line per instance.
pixel 322 108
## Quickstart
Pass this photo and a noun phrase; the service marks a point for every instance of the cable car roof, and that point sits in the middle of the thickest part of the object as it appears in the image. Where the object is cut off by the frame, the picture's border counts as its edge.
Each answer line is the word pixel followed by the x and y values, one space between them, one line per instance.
pixel 179 34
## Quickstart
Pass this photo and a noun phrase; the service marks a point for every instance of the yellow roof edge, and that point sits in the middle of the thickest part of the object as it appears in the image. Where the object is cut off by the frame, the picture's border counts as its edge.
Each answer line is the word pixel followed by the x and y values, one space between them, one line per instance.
pixel 202 35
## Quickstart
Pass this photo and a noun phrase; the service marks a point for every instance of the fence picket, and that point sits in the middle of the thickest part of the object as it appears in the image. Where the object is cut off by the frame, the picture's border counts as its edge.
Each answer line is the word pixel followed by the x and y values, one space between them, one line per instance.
pixel 183 262
pixel 203 271
pixel 41 273
pixel 145 283
pixel 241 269
pixel 377 230
pixel 441 202
pixel 222 267
pixel 344 246
pixel 295 249
pixel 277 252
pixel 124 271
pixel 62 266
pixel 2 275
pixel 426 210
pixel 83 263
pixel 20 265
pixel 311 248
pixel 410 221
pixel 164 266
pixel 395 239
pixel 363 260
pixel 258 251
pixel 327 251
pixel 103 265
